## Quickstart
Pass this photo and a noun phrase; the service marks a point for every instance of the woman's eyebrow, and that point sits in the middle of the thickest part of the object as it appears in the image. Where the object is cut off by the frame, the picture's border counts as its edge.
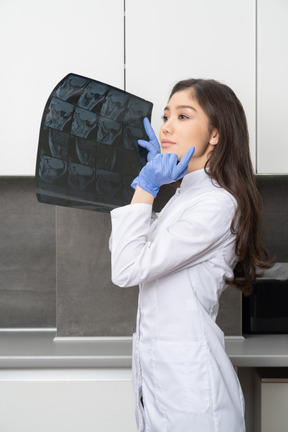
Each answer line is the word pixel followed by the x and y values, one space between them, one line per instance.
pixel 185 106
pixel 181 107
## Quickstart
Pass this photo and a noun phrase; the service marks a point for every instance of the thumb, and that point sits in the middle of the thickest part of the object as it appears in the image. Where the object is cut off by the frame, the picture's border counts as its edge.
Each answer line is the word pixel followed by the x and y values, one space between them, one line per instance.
pixel 182 166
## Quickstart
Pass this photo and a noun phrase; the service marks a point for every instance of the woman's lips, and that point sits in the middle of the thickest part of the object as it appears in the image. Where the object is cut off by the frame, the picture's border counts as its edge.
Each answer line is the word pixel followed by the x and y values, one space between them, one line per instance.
pixel 167 143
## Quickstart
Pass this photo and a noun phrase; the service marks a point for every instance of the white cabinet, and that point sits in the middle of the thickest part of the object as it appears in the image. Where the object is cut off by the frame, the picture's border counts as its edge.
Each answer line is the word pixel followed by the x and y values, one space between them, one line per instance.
pixel 164 41
pixel 272 88
pixel 41 42
pixel 271 400
pixel 168 40
pixel 67 400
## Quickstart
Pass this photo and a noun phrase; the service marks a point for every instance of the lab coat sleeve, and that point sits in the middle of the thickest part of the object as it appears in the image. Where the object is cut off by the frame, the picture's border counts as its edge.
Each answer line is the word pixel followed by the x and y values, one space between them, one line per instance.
pixel 193 238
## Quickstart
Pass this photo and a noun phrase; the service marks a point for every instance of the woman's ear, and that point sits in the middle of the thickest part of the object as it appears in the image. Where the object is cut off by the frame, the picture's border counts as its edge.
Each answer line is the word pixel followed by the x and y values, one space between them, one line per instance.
pixel 214 137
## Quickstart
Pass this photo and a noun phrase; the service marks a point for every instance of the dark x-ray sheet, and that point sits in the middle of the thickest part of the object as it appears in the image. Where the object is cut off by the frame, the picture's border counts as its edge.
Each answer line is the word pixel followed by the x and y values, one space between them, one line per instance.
pixel 88 153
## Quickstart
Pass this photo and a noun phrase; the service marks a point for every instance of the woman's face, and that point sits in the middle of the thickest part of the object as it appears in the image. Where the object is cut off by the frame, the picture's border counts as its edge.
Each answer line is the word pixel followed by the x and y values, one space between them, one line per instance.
pixel 186 125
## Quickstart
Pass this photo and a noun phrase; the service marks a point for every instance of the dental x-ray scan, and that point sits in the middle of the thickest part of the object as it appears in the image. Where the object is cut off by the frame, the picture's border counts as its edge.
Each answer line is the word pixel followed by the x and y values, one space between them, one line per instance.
pixel 88 153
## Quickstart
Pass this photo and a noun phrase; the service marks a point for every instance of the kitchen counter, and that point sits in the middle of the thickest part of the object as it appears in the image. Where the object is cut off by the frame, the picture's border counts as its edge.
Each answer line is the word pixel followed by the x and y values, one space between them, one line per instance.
pixel 42 349
pixel 258 350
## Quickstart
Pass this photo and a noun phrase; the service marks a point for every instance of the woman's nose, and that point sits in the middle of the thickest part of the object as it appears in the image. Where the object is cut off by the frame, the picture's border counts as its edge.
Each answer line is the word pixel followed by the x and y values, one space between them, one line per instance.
pixel 167 126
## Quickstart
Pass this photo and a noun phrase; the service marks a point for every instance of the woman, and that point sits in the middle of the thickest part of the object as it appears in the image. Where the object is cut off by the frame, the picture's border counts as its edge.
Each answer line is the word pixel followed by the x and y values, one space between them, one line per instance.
pixel 204 238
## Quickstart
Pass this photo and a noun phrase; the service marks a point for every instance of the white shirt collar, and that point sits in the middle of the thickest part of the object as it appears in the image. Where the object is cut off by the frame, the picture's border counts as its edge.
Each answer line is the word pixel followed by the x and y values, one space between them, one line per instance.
pixel 195 179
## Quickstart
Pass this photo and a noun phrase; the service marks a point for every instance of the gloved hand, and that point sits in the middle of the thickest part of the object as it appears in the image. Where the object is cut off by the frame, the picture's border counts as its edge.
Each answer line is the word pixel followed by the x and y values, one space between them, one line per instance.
pixel 163 169
pixel 152 145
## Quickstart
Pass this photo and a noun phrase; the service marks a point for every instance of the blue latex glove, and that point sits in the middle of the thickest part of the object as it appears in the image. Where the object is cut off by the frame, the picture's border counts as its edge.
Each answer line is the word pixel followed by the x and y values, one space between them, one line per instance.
pixel 152 145
pixel 163 169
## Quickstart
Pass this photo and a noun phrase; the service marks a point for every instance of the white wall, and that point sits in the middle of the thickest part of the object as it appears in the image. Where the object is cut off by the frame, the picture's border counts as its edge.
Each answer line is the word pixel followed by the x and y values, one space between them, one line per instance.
pixel 166 40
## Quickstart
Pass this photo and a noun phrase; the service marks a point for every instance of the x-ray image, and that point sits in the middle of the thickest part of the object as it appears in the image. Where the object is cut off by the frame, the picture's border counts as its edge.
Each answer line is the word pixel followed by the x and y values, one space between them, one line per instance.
pixel 93 96
pixel 84 122
pixel 59 114
pixel 88 153
pixel 115 105
pixel 131 135
pixel 109 188
pixel 107 158
pixel 51 169
pixel 80 176
pixel 70 89
pixel 135 111
pixel 108 131
pixel 58 144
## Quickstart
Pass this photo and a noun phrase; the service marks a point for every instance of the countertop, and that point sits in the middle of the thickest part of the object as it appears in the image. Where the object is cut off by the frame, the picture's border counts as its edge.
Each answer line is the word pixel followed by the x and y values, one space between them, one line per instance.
pixel 42 349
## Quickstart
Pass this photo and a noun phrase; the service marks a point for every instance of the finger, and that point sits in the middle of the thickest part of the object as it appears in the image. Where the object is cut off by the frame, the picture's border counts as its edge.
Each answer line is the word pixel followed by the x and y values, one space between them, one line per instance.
pixel 147 145
pixel 149 130
pixel 144 144
pixel 172 158
pixel 169 161
pixel 186 157
pixel 182 166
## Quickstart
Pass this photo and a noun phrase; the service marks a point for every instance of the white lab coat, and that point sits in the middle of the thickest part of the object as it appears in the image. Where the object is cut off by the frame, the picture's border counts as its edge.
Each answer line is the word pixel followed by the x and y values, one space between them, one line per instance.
pixel 183 378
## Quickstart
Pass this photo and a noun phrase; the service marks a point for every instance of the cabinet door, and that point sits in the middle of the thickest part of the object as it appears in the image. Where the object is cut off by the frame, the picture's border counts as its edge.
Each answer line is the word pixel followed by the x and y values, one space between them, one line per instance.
pixel 41 42
pixel 169 40
pixel 272 86
pixel 67 401
pixel 274 399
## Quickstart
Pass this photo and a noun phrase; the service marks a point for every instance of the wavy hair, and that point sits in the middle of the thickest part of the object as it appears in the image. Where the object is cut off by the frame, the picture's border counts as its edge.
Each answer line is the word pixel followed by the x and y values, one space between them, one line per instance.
pixel 230 165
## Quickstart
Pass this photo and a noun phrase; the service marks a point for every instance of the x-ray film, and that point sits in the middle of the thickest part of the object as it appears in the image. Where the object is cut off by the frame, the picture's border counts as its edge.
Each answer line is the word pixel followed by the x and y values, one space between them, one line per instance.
pixel 88 153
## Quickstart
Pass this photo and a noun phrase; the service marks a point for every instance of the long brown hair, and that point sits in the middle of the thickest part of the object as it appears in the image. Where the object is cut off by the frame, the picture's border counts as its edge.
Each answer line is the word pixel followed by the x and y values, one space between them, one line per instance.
pixel 230 165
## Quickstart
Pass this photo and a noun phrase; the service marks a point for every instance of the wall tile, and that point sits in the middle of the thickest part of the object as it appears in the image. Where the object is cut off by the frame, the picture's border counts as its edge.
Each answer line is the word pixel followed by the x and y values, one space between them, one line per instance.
pixel 88 303
pixel 230 312
pixel 27 256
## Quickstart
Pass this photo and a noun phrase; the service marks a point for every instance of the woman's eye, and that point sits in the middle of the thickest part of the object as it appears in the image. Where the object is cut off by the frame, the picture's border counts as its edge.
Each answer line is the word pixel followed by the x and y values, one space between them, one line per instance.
pixel 164 118
pixel 183 117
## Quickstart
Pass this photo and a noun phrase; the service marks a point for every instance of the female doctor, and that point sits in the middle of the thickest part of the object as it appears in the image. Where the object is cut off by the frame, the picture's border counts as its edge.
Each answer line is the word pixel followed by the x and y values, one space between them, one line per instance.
pixel 204 238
